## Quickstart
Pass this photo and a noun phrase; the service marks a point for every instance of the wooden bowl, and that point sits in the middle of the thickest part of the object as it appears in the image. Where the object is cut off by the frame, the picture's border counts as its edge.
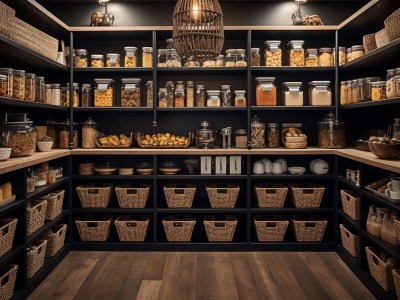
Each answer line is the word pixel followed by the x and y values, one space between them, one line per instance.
pixel 362 145
pixel 385 151
pixel 301 145
pixel 296 139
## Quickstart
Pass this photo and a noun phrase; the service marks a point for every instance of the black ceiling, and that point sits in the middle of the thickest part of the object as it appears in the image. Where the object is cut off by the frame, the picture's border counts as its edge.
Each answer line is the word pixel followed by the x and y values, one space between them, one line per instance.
pixel 96 1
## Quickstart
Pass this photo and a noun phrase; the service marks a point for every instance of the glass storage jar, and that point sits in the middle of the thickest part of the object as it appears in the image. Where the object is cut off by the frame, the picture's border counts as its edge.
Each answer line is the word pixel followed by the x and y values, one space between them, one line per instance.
pixel 191 63
pixel 63 134
pixel 97 61
pixel 357 51
pixel 200 95
pixel 325 57
pixel 75 95
pixel 170 93
pixel 190 94
pixel 265 91
pixel 390 88
pixel 348 89
pixel 149 93
pixel 147 57
pixel 18 134
pixel 378 90
pixel 240 98
pixel 320 93
pixel 131 92
pixel 40 89
pixel 343 93
pixel 331 133
pixel 354 92
pixel 19 84
pixel 214 99
pixel 342 56
pixel 368 82
pixel 241 138
pixel 257 133
pixel 180 94
pixel 48 94
pixel 396 129
pixel 81 58
pixel 8 91
pixel 273 135
pixel 173 59
pixel 273 54
pixel 162 58
pixel 296 53
pixel 86 95
pixel 348 55
pixel 312 57
pixel 241 58
pixel 220 61
pixel 293 94
pixel 130 57
pixel 89 133
pixel 396 80
pixel 230 58
pixel 3 85
pixel 64 98
pixel 255 57
pixel 210 63
pixel 52 131
pixel 170 43
pixel 226 95
pixel 113 60
pixel 162 97
pixel 56 94
pixel 104 92
pixel 361 89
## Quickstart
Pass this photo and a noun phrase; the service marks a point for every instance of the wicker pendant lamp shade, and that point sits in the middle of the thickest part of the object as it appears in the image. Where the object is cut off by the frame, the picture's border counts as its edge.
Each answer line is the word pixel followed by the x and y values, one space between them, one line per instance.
pixel 198 29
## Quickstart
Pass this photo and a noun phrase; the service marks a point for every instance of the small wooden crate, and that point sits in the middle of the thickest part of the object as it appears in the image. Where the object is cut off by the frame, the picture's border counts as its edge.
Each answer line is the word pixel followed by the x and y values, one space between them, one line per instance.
pixel 94 229
pixel 7 233
pixel 392 25
pixel 369 42
pixel 310 229
pixel 380 270
pixel 8 276
pixel 350 242
pixel 220 229
pixel 351 203
pixel 35 258
pixel 55 239
pixel 222 195
pixel 132 228
pixel 94 195
pixel 179 228
pixel 271 228
pixel 132 195
pixel 396 280
pixel 270 195
pixel 55 202
pixel 381 38
pixel 35 215
pixel 179 196
pixel 308 195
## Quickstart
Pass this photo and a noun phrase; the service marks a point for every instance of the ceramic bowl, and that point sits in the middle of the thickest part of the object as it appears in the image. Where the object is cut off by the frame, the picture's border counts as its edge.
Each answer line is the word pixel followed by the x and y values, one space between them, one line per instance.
pixel 385 151
pixel 5 153
pixel 44 146
pixel 296 170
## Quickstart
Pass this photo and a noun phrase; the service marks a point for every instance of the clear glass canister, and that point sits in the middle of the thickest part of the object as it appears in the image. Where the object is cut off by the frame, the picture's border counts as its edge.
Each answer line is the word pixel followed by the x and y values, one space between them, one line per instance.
pixel 189 94
pixel 81 58
pixel 130 57
pixel 86 95
pixel 348 55
pixel 149 93
pixel 200 95
pixel 293 94
pixel 64 97
pixel 342 56
pixel 191 63
pixel 40 89
pixel 296 53
pixel 331 132
pixel 320 93
pixel 3 85
pixel 265 91
pixel 104 92
pixel 180 94
pixel 162 58
pixel 130 92
pixel 312 57
pixel 396 80
pixel 173 59
pixel 354 92
pixel 273 135
pixel 230 58
pixel 390 87
pixel 89 133
pixel 241 58
pixel 47 94
pixel 63 134
pixel 162 97
pixel 378 90
pixel 52 131
pixel 220 61
pixel 343 93
pixel 257 133
pixel 367 86
pixel 7 89
pixel 325 57
pixel 361 89
pixel 348 89
pixel 113 60
pixel 97 60
pixel 170 93
pixel 357 51
pixel 214 99
pixel 75 94
pixel 240 98
pixel 19 84
pixel 241 138
pixel 56 94
pixel 147 57
pixel 273 54
pixel 226 95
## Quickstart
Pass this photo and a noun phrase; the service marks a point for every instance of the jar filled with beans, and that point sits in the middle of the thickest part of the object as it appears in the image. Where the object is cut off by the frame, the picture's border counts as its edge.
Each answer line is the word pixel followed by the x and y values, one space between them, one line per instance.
pixel 130 92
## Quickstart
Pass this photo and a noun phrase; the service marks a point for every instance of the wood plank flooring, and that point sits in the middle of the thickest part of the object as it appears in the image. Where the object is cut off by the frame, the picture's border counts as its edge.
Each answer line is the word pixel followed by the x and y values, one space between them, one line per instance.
pixel 201 276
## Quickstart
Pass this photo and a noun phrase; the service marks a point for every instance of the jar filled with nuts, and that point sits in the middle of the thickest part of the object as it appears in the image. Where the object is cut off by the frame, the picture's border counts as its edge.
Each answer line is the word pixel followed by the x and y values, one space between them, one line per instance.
pixel 130 92
pixel 273 54
pixel 357 51
pixel 147 57
pixel 162 58
pixel 97 60
pixel 312 57
pixel 296 53
pixel 131 57
pixel 3 85
pixel 230 58
pixel 75 93
pixel 200 95
pixel 89 133
pixel 40 89
pixel 162 97
pixel 113 60
pixel 149 93
pixel 104 92
pixel 220 61
pixel 19 84
pixel 241 58
pixel 190 94
pixel 8 91
pixel 240 98
pixel 86 95
pixel 241 138
pixel 257 133
pixel 81 58
pixel 255 57
pixel 56 94
pixel 214 99
pixel 173 59
pixel 30 87
pixel 273 135
pixel 325 57
pixel 63 134
pixel 378 90
pixel 342 56
pixel 47 94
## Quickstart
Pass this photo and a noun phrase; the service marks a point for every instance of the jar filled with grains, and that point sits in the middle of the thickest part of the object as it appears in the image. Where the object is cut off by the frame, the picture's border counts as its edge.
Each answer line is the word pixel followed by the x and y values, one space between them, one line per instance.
pixel 89 133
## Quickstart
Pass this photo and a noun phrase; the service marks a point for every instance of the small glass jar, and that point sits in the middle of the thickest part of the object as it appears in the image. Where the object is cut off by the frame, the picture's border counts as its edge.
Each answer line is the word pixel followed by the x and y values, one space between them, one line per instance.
pixel 189 94
pixel 354 92
pixel 296 53
pixel 56 94
pixel 241 58
pixel 273 53
pixel 81 58
pixel 97 61
pixel 8 91
pixel 3 85
pixel 180 95
pixel 257 133
pixel 255 57
pixel 230 58
pixel 162 97
pixel 357 51
pixel 343 93
pixel 147 57
pixel 320 93
pixel 226 95
pixel 390 87
pixel 378 90
pixel 293 94
pixel 170 93
pixel 52 131
pixel 63 134
pixel 40 89
pixel 214 99
pixel 162 58
pixel 200 95
pixel 86 95
pixel 325 57
pixel 173 59
pixel 331 132
pixel 348 55
pixel 342 56
pixel 130 57
pixel 191 63
pixel 368 82
pixel 361 89
pixel 131 92
pixel 312 57
pixel 41 178
pixel 273 135
pixel 113 60
pixel 240 98
pixel 210 63
pixel 19 84
pixel 220 61
pixel 149 93
pixel 75 93
pixel 104 92
pixel 241 138
pixel 52 176
pixel 265 91
pixel 89 133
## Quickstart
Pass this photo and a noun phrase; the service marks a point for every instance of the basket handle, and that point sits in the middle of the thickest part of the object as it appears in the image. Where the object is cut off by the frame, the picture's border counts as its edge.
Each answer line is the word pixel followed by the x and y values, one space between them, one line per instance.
pixel 5 279
pixel 177 224
pixel 310 224
pixel 41 249
pixel 375 259
pixel 222 191
pixel 131 224
pixel 270 191
pixel 219 224
pixel 308 191
pixel 92 224
pixel 347 233
pixel 179 191
pixel 271 224
pixel 5 230
pixel 348 197
pixel 132 191
pixel 93 191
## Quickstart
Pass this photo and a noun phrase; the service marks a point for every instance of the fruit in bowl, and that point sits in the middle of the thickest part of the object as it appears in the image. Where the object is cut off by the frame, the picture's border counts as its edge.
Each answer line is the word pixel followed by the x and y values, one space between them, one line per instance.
pixel 45 144
pixel 384 147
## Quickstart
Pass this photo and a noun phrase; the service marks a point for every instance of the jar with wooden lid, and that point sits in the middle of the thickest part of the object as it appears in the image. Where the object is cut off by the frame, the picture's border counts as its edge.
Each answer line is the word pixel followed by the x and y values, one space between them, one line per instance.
pixel 162 58
pixel 342 56
pixel 378 90
pixel 325 57
pixel 200 95
pixel 86 95
pixel 312 57
pixel 130 57
pixel 89 133
pixel 257 133
pixel 357 51
pixel 265 91
pixel 390 87
pixel 40 89
pixel 368 82
pixel 113 60
pixel 131 92
pixel 240 98
pixel 180 94
pixel 273 54
pixel 81 58
pixel 147 57
pixel 189 94
pixel 214 99
pixel 296 53
pixel 7 91
pixel 320 93
pixel 293 94
pixel 255 57
pixel 19 84
pixel 97 60
pixel 149 93
pixel 273 135
pixel 104 92
pixel 52 131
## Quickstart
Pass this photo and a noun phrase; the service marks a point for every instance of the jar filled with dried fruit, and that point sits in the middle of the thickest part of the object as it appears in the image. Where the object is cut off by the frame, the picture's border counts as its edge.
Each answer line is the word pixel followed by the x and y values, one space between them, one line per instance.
pixel 312 57
pixel 189 94
pixel 7 89
pixel 273 135
pixel 296 53
pixel 149 93
pixel 113 60
pixel 40 89
pixel 131 92
pixel 19 84
pixel 241 138
pixel 81 58
pixel 378 90
pixel 273 53
pixel 52 131
pixel 325 57
pixel 257 133
pixel 131 57
pixel 200 95
pixel 86 95
pixel 97 60
pixel 342 56
pixel 162 58
pixel 89 133
pixel 255 57
pixel 320 93
pixel 390 87
pixel 64 134
pixel 331 132
pixel 240 98
pixel 265 91
pixel 147 57
pixel 162 97
pixel 104 92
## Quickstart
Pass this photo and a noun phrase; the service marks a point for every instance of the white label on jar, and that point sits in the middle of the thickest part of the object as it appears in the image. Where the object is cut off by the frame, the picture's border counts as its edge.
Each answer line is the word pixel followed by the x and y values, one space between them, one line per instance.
pixel 130 87
pixel 240 96
pixel 321 88
pixel 312 55
pixel 294 90
pixel 274 48
pixel 102 87
pixel 267 86
pixel 113 60
pixel 297 47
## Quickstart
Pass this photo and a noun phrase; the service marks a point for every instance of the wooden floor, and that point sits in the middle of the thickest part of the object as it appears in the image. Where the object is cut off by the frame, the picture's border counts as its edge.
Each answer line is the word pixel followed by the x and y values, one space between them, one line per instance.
pixel 201 275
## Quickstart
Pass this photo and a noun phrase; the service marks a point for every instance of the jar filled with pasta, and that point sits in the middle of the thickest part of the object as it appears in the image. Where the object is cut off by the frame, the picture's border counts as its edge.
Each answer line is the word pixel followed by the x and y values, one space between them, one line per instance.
pixel 378 90
pixel 273 53
pixel 130 57
pixel 30 87
pixel 113 60
pixel 19 84
pixel 81 58
pixel 312 57
pixel 104 92
pixel 296 53
pixel 97 61
pixel 325 57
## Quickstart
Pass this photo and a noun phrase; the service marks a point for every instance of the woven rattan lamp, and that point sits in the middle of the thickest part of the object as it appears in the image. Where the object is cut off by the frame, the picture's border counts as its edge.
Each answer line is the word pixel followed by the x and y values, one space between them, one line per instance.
pixel 198 29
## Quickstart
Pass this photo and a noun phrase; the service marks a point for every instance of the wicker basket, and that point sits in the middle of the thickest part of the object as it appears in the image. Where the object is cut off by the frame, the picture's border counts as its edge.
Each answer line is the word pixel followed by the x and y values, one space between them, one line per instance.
pixel 271 229
pixel 351 203
pixel 132 228
pixel 270 195
pixel 220 229
pixel 94 229
pixel 310 229
pixel 369 42
pixel 397 229
pixel 223 195
pixel 307 195
pixel 179 196
pixel 7 233
pixel 35 215
pixel 350 242
pixel 392 25
pixel 94 195
pixel 396 280
pixel 7 14
pixel 381 38
pixel 8 276
pixel 132 195
pixel 35 258
pixel 178 228
pixel 380 270
pixel 55 239
pixel 55 202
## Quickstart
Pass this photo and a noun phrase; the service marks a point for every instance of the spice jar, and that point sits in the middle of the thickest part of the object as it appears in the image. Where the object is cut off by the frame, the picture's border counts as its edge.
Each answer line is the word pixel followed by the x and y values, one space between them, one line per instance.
pixel 257 133
pixel 357 51
pixel 104 92
pixel 255 57
pixel 241 59
pixel 97 61
pixel 240 99
pixel 296 53
pixel 75 95
pixel 368 82
pixel 63 134
pixel 48 94
pixel 180 94
pixel 325 57
pixel 86 95
pixel 200 95
pixel 390 87
pixel 173 59
pixel 265 91
pixel 190 94
pixel 311 57
pixel 273 135
pixel 378 90
pixel 81 58
pixel 52 131
pixel 342 56
pixel 162 58
pixel 18 134
pixel 230 58
pixel 147 57
pixel 7 89
pixel 3 85
pixel 149 93
pixel 226 95
pixel 293 94
pixel 331 133
pixel 19 84
pixel 214 99
pixel 162 97
pixel 273 54
pixel 320 93
pixel 89 133
pixel 241 138
pixel 113 60
pixel 130 92
pixel 343 93
pixel 130 57
pixel 40 91
pixel 220 61
pixel 170 93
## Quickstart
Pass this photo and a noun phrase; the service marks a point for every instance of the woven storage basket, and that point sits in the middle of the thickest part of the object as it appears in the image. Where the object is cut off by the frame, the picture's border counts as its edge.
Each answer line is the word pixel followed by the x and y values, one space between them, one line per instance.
pixel 178 228
pixel 222 195
pixel 7 233
pixel 35 215
pixel 392 25
pixel 380 270
pixel 55 202
pixel 220 229
pixel 271 228
pixel 309 229
pixel 132 195
pixel 179 196
pixel 369 42
pixel 35 258
pixel 94 195
pixel 7 14
pixel 351 203
pixel 270 195
pixel 397 229
pixel 55 239
pixel 132 228
pixel 350 242
pixel 381 38
pixel 94 229
pixel 307 195
pixel 396 280
pixel 8 276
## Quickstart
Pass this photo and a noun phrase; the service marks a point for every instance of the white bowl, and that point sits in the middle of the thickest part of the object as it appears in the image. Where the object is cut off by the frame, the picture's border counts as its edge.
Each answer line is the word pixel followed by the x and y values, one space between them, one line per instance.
pixel 5 154
pixel 44 146
pixel 296 170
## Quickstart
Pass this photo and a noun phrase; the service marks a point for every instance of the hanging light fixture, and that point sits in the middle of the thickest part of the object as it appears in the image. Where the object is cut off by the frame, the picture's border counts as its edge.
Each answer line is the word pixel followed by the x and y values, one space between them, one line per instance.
pixel 297 18
pixel 198 29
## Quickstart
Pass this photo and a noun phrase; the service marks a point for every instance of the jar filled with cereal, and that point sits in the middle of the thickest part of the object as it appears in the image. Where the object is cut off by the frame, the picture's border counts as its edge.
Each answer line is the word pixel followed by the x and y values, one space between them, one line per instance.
pixel 342 56
pixel 378 90
pixel 312 57
pixel 97 60
pixel 147 57
pixel 162 58
pixel 40 89
pixel 325 57
pixel 296 53
pixel 81 58
pixel 357 51
pixel 241 58
pixel 130 92
pixel 273 54
pixel 113 60
pixel 19 84
pixel 8 87
pixel 30 87
pixel 131 57
pixel 104 92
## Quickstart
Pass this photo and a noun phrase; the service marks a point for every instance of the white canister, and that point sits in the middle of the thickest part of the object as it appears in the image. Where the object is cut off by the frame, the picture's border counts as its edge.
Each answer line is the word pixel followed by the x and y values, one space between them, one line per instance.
pixel 258 168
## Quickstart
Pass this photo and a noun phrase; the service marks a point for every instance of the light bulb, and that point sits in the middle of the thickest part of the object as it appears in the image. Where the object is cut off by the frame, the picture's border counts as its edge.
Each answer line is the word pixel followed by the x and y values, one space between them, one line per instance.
pixel 196 11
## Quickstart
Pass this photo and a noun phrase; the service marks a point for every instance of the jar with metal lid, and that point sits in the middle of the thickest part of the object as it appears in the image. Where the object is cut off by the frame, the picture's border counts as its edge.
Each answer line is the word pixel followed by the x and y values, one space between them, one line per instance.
pixel 348 55
pixel 170 43
pixel 200 95
pixel 7 89
pixel 320 93
pixel 214 99
pixel 292 94
pixel 257 133
pixel 75 95
pixel 63 134
pixel 56 94
pixel 296 53
pixel 19 84
pixel 3 85
pixel 130 57
pixel 396 81
pixel 331 132
pixel 104 92
pixel 354 92
pixel 81 58
pixel 390 87
pixel 113 60
pixel 18 134
pixel 86 95
pixel 52 131
pixel 97 60
pixel 241 58
pixel 396 129
pixel 162 58
pixel 170 93
pixel 255 57
pixel 273 135
pixel 230 58
pixel 89 133
pixel 241 138
pixel 162 97
pixel 273 54
pixel 226 95
pixel 312 57
pixel 220 61
pixel 367 86
pixel 189 94
pixel 342 56
pixel 265 91
pixel 131 92
pixel 173 59
pixel 147 57
pixel 149 93
pixel 343 93
pixel 357 51
pixel 40 89
pixel 325 57
pixel 361 89
pixel 378 90
pixel 180 94
pixel 240 98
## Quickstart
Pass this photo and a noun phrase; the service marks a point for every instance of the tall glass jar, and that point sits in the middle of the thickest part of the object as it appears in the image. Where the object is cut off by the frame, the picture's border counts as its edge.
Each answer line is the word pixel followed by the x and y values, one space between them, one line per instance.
pixel 331 132
pixel 255 57
pixel 189 94
pixel 86 95
pixel 312 57
pixel 64 97
pixel 162 58
pixel 97 61
pixel 130 57
pixel 296 53
pixel 378 90
pixel 390 88
pixel 342 56
pixel 3 85
pixel 81 58
pixel 361 89
pixel 354 92
pixel 8 92
pixel 52 131
pixel 396 80
pixel 257 133
pixel 273 135
pixel 226 95
pixel 241 58
pixel 147 57
pixel 200 95
pixel 113 60
pixel 240 98
pixel 64 134
pixel 368 82
pixel 162 97
pixel 230 58
pixel 265 91
pixel 293 94
pixel 180 94
pixel 56 94
pixel 325 57
pixel 320 93
pixel 19 84
pixel 104 91
pixel 89 133
pixel 40 89
pixel 131 92
pixel 349 95
pixel 173 59
pixel 343 93
pixel 149 93
pixel 48 94
pixel 273 53
pixel 170 93
pixel 214 99
pixel 75 94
